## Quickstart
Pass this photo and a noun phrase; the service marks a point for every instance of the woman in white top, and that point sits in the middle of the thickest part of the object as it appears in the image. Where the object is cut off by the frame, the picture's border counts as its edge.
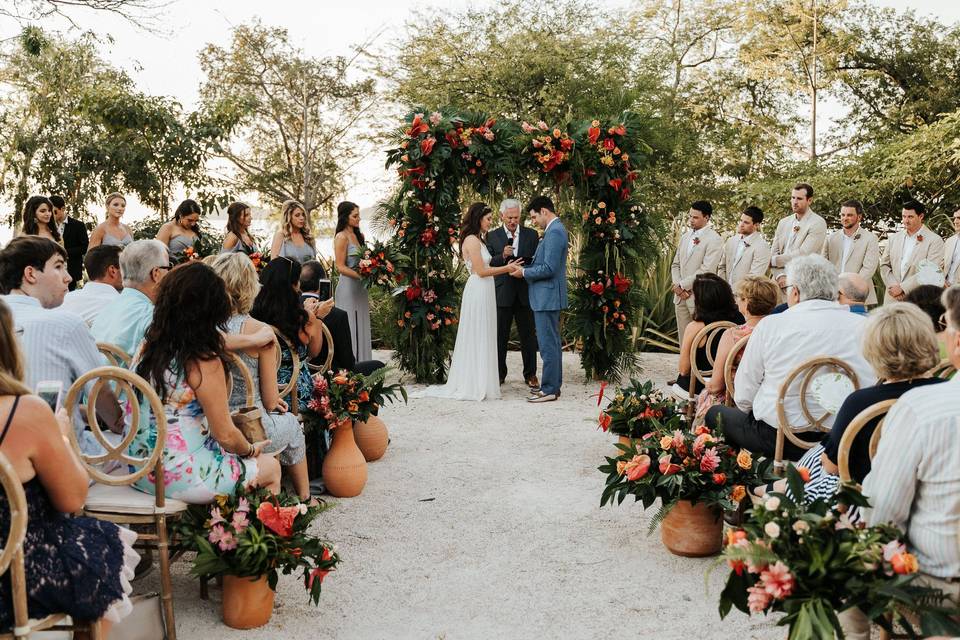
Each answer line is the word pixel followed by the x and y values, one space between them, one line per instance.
pixel 111 230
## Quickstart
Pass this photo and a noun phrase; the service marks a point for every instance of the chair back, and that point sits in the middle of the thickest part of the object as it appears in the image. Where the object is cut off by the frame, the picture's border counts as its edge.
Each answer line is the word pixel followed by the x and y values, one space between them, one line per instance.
pixel 729 367
pixel 878 409
pixel 328 361
pixel 236 363
pixel 116 356
pixel 11 557
pixel 944 369
pixel 707 338
pixel 289 389
pixel 806 372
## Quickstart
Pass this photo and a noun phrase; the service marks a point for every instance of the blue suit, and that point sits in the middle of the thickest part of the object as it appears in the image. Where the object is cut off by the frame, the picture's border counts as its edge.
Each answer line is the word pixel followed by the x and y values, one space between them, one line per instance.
pixel 547 280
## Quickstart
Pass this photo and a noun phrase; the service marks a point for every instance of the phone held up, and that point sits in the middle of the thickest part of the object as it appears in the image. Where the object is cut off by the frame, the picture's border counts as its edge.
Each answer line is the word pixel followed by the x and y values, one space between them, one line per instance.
pixel 51 391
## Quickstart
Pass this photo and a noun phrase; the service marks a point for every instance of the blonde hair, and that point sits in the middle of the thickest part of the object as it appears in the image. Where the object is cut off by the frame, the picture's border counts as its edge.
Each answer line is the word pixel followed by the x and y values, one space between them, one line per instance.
pixel 113 196
pixel 899 342
pixel 761 294
pixel 240 276
pixel 11 362
pixel 286 221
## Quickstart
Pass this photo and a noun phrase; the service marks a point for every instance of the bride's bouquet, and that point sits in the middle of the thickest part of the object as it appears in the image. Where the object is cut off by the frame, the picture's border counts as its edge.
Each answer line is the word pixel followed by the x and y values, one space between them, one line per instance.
pixel 378 265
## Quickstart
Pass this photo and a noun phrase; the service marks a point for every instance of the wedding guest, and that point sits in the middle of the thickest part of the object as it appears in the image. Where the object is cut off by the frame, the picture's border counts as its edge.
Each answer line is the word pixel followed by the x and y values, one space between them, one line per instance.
pixel 282 428
pixel 906 249
pixel 238 238
pixel 800 234
pixel 699 252
pixel 714 302
pixel 111 230
pixel 951 253
pixel 182 233
pixel 74 565
pixel 854 291
pixel 928 298
pixel 183 358
pixel 75 239
pixel 814 325
pixel 294 240
pixel 351 295
pixel 57 345
pixel 747 253
pixel 38 219
pixel 103 284
pixel 853 249
pixel 514 240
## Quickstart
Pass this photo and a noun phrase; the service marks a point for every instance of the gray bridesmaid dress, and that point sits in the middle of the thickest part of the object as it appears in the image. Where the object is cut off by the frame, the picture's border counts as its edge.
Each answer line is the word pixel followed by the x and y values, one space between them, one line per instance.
pixel 351 297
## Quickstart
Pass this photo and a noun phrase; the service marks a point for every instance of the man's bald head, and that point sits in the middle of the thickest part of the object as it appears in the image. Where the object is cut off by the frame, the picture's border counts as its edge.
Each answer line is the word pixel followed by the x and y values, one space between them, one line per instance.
pixel 854 289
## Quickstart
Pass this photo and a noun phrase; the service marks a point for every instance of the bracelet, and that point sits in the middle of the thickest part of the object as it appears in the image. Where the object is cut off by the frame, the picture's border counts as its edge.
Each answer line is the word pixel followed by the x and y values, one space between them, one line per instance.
pixel 249 454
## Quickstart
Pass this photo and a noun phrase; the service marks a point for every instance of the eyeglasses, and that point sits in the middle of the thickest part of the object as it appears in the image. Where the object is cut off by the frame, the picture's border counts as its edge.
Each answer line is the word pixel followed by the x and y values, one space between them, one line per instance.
pixel 165 267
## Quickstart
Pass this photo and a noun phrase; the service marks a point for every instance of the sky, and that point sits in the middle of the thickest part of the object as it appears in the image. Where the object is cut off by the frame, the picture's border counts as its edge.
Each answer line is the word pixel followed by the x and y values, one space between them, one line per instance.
pixel 165 62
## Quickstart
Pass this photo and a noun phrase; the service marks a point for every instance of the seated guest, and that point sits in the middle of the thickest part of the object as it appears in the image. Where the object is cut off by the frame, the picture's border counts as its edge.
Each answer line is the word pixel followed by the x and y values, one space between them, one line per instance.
pixel 927 297
pixel 854 291
pixel 282 428
pixel 103 284
pixel 713 301
pixel 183 358
pixel 900 346
pixel 337 323
pixel 814 325
pixel 57 344
pixel 756 297
pixel 74 565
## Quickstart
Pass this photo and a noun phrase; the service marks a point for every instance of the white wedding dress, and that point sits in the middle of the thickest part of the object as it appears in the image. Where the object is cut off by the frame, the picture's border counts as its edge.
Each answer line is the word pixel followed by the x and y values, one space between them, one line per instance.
pixel 473 371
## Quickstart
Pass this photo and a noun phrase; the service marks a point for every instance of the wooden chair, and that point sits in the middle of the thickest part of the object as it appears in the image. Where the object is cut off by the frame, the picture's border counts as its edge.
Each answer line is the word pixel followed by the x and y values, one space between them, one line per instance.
pixel 944 369
pixel 806 371
pixel 113 497
pixel 328 361
pixel 707 338
pixel 290 389
pixel 728 367
pixel 116 356
pixel 241 367
pixel 854 428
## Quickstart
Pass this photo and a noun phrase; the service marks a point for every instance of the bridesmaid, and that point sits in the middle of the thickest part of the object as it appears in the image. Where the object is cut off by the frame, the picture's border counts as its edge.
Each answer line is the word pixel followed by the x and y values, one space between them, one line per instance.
pixel 112 231
pixel 294 240
pixel 351 296
pixel 38 219
pixel 182 232
pixel 238 238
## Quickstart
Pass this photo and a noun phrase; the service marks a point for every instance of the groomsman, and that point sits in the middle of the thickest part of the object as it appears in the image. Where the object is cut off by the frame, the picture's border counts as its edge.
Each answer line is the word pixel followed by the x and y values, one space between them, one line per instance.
pixel 747 253
pixel 797 235
pixel 513 240
pixel 852 249
pixel 75 239
pixel 906 249
pixel 699 251
pixel 951 253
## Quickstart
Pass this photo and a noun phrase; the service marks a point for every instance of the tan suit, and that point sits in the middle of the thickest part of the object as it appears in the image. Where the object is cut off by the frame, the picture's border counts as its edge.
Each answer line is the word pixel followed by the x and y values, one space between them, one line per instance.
pixel 754 260
pixel 864 257
pixel 930 248
pixel 807 239
pixel 702 257
pixel 949 247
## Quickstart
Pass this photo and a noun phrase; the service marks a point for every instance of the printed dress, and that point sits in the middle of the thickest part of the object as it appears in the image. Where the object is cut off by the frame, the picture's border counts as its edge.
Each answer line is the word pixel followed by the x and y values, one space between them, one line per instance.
pixel 196 468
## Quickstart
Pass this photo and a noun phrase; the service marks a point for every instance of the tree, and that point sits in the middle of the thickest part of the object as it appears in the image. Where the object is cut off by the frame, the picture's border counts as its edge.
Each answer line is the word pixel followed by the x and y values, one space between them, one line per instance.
pixel 137 12
pixel 298 117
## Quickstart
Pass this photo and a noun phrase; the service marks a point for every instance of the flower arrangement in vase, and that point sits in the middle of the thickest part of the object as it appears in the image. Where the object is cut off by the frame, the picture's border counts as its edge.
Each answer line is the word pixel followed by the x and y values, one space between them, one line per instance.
pixel 634 409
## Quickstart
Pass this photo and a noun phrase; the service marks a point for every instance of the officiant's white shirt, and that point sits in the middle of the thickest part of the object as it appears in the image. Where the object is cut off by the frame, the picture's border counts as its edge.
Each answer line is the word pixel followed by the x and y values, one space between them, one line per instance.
pixel 516 239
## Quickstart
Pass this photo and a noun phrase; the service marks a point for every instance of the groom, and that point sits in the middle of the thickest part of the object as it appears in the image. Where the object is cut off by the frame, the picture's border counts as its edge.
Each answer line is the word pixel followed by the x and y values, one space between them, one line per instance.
pixel 547 278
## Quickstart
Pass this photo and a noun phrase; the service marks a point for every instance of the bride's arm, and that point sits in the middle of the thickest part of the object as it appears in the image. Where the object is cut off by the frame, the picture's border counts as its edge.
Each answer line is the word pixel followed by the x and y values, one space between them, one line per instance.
pixel 471 252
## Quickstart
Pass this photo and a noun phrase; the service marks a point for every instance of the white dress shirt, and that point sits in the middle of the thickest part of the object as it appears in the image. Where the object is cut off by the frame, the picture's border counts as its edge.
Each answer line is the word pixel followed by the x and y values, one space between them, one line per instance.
pixel 909 244
pixel 741 247
pixel 914 481
pixel 515 239
pixel 693 240
pixel 782 341
pixel 88 301
pixel 847 248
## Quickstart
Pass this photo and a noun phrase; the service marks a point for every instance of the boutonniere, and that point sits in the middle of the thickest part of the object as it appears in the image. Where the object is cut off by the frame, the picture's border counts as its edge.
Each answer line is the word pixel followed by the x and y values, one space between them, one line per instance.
pixel 696 241
pixel 920 238
pixel 856 236
pixel 746 244
pixel 796 228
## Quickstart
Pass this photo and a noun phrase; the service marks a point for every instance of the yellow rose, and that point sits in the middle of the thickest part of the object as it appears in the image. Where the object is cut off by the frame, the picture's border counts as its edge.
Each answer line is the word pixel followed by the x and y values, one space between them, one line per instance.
pixel 739 493
pixel 744 459
pixel 666 441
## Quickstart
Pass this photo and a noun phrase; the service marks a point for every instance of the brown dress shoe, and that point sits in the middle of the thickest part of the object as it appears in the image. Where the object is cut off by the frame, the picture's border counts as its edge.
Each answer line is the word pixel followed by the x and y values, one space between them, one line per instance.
pixel 533 383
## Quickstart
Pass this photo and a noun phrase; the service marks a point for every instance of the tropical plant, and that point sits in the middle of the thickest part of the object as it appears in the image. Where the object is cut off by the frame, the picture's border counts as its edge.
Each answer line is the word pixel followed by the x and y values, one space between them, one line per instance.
pixel 342 396
pixel 636 409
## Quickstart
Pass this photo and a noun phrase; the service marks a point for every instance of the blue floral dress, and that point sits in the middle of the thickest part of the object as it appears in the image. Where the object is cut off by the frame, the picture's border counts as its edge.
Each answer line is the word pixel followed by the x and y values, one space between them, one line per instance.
pixel 304 381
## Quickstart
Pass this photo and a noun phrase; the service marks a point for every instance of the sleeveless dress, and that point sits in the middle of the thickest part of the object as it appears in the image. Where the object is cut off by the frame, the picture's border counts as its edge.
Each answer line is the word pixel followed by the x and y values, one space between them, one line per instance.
pixel 241 247
pixel 351 297
pixel 301 254
pixel 473 371
pixel 179 244
pixel 74 565
pixel 196 467
pixel 111 241
pixel 285 371
pixel 283 430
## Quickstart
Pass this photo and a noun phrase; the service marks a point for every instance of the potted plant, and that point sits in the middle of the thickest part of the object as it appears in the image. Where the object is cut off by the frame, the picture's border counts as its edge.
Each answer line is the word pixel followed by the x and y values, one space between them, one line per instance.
pixel 371 434
pixel 810 561
pixel 633 409
pixel 696 476
pixel 249 538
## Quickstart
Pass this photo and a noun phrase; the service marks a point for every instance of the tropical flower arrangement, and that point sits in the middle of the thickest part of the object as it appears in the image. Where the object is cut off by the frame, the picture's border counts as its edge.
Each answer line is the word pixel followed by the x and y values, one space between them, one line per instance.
pixel 604 224
pixel 672 464
pixel 253 533
pixel 810 562
pixel 610 296
pixel 378 265
pixel 636 409
pixel 550 148
pixel 341 396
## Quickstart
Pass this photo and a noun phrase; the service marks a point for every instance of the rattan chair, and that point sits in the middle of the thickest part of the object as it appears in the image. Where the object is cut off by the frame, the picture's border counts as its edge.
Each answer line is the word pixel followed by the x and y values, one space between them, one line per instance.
pixel 113 497
pixel 854 428
pixel 707 337
pixel 944 369
pixel 328 361
pixel 729 374
pixel 806 372
pixel 116 356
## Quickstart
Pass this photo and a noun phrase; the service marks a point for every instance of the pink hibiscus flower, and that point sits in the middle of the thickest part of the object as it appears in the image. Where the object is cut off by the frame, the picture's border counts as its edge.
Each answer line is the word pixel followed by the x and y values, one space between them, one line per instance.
pixel 777 580
pixel 758 600
pixel 710 460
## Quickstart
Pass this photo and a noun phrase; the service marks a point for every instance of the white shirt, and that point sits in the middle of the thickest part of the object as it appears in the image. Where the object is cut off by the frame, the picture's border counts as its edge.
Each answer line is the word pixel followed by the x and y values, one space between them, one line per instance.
pixel 797 222
pixel 88 301
pixel 915 478
pixel 692 241
pixel 909 244
pixel 515 239
pixel 782 341
pixel 847 248
pixel 744 243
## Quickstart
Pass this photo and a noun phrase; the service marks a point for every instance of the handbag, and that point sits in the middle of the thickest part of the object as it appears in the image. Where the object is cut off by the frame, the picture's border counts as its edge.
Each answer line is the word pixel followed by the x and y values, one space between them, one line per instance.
pixel 249 420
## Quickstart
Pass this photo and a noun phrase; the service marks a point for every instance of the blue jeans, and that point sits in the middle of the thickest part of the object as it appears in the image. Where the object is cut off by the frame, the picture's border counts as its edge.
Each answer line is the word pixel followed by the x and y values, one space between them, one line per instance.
pixel 548 338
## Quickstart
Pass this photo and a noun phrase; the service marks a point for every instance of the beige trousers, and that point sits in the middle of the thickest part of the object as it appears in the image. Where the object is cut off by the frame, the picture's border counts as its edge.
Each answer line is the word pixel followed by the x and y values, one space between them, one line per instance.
pixel 684 311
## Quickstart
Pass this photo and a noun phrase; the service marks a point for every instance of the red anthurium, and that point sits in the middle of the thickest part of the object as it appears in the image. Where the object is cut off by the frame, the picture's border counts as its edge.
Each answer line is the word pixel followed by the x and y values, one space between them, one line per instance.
pixel 597 288
pixel 593 134
pixel 666 467
pixel 616 183
pixel 418 126
pixel 426 145
pixel 277 519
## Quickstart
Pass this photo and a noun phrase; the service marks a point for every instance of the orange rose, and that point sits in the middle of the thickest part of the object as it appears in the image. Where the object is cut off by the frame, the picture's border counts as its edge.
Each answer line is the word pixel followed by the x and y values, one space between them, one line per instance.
pixel 666 442
pixel 353 406
pixel 340 378
pixel 804 473
pixel 719 478
pixel 738 493
pixel 364 396
pixel 904 563
pixel 744 460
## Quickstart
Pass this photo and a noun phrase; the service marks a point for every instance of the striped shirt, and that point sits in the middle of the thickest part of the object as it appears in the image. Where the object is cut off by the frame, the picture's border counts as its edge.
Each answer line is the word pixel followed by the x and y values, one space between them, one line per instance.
pixel 915 477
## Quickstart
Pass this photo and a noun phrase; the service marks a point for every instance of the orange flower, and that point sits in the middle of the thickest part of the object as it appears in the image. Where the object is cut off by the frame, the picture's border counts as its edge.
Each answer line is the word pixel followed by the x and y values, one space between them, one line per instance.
pixel 719 478
pixel 904 563
pixel 353 406
pixel 734 536
pixel 637 467
pixel 744 460
pixel 604 421
pixel 621 466
pixel 666 442
pixel 340 378
pixel 738 493
pixel 364 396
pixel 804 473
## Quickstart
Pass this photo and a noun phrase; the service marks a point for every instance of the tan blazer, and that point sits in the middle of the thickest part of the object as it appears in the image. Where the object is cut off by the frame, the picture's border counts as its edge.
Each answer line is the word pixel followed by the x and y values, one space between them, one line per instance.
pixel 864 258
pixel 931 248
pixel 754 260
pixel 808 239
pixel 703 258
pixel 948 248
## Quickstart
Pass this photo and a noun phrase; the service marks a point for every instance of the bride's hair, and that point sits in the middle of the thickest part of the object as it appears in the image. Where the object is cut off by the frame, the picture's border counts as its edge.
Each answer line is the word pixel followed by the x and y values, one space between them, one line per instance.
pixel 470 225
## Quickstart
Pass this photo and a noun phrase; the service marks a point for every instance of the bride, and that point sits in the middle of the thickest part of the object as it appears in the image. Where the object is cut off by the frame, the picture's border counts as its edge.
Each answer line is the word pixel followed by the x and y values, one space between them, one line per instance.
pixel 473 372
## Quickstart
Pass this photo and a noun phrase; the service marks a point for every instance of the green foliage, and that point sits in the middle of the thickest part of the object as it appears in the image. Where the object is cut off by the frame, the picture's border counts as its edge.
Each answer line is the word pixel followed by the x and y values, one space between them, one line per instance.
pixel 638 408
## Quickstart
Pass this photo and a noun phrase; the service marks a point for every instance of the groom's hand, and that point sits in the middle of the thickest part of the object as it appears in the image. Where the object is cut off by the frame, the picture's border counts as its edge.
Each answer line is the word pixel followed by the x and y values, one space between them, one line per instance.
pixel 516 269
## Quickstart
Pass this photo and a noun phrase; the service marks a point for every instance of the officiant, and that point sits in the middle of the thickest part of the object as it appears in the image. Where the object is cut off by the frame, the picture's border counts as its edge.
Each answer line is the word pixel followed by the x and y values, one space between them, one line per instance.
pixel 513 240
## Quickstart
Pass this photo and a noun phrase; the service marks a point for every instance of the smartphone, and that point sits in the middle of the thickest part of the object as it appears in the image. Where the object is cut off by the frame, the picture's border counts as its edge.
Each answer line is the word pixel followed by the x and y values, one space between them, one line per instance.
pixel 50 391
pixel 324 291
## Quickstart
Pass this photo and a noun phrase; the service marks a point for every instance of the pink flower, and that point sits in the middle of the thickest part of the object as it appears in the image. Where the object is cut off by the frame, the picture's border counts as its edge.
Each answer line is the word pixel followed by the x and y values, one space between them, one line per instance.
pixel 240 521
pixel 892 548
pixel 429 296
pixel 435 118
pixel 320 383
pixel 677 439
pixel 488 135
pixel 228 541
pixel 216 534
pixel 637 467
pixel 758 600
pixel 314 405
pixel 527 128
pixel 215 516
pixel 543 125
pixel 710 460
pixel 777 580
pixel 243 505
pixel 700 442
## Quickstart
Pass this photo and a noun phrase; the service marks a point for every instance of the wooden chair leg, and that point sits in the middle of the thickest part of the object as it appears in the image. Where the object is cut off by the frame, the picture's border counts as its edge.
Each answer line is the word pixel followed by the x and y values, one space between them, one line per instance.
pixel 204 590
pixel 166 586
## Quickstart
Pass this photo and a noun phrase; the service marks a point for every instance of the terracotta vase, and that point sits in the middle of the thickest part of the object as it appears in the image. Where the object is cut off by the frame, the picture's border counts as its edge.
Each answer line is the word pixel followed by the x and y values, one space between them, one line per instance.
pixel 691 530
pixel 247 602
pixel 372 438
pixel 344 468
pixel 617 452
